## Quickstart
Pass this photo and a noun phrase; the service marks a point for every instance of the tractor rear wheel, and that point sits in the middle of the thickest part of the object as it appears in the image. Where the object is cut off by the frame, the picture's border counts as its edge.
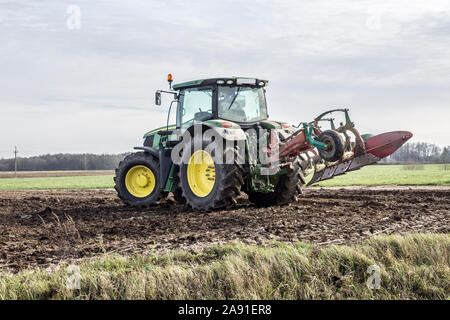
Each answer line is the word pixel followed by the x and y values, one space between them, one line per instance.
pixel 206 185
pixel 176 190
pixel 288 187
pixel 137 180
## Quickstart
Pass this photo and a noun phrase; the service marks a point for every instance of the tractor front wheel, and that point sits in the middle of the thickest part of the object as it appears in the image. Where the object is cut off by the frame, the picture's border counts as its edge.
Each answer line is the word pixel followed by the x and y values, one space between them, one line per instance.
pixel 137 180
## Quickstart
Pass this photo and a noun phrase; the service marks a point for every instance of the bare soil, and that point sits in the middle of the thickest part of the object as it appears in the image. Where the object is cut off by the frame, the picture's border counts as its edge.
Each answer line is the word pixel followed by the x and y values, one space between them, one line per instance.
pixel 48 227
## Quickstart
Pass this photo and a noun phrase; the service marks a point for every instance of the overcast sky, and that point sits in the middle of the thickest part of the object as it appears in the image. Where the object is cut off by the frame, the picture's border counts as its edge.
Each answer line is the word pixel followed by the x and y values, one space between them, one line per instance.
pixel 91 89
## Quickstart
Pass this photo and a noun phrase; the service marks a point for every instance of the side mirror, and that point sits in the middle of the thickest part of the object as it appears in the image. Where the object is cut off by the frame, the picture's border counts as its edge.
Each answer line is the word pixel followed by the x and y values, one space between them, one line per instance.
pixel 158 98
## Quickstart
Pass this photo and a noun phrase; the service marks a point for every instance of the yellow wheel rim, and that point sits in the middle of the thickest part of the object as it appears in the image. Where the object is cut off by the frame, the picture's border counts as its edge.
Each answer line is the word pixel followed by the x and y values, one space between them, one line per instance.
pixel 201 173
pixel 140 181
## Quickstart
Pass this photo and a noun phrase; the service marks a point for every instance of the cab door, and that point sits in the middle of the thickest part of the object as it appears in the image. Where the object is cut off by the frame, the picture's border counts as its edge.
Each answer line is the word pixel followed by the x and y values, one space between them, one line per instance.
pixel 195 106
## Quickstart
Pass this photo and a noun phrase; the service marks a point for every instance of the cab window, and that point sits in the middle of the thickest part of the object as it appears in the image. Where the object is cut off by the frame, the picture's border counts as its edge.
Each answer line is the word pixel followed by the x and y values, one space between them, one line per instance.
pixel 195 106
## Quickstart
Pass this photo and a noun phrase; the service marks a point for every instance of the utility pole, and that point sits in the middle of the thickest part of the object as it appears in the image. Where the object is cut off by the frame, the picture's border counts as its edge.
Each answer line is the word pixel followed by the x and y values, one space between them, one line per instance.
pixel 15 161
pixel 85 161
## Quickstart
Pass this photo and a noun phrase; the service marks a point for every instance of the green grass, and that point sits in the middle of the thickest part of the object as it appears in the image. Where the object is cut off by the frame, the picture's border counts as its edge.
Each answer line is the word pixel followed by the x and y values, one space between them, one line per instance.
pixel 80 182
pixel 429 174
pixel 412 267
pixel 375 175
pixel 74 172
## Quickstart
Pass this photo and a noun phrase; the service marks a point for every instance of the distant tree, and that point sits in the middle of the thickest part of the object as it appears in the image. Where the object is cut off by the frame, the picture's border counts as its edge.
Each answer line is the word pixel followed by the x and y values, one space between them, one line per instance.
pixel 445 155
pixel 64 162
pixel 416 152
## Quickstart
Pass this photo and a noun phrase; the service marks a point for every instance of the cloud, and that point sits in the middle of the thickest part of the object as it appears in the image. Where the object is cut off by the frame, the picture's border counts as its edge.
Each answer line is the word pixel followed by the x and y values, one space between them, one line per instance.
pixel 91 90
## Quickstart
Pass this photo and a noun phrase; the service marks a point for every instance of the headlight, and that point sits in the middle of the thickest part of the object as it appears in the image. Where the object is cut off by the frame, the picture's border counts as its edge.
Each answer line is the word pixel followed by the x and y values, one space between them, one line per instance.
pixel 245 81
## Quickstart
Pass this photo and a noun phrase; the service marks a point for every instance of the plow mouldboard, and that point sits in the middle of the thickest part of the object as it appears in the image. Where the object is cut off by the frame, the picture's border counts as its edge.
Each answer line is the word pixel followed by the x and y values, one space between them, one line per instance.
pixel 385 144
pixel 377 147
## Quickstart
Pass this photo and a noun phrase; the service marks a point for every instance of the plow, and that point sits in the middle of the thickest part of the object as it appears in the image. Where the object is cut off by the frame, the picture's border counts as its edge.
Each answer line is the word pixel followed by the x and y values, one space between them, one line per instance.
pixel 336 152
pixel 268 160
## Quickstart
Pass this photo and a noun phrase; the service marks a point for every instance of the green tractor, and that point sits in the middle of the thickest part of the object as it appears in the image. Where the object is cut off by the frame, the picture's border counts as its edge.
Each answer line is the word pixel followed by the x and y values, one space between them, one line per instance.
pixel 223 143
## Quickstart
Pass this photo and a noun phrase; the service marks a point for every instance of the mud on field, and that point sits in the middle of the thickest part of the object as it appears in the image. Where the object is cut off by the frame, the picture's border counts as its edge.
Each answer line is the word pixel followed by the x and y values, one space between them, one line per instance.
pixel 47 227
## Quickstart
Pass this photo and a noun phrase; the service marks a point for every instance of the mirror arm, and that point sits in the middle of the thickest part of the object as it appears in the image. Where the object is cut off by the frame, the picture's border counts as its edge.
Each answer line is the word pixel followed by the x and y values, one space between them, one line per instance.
pixel 175 93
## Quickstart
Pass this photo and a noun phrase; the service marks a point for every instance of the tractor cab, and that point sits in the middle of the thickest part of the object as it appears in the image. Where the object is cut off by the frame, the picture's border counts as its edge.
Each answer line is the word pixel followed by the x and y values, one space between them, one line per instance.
pixel 239 100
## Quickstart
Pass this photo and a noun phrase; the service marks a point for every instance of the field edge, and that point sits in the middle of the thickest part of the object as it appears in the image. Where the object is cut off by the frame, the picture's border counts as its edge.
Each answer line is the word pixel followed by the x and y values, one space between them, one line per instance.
pixel 412 266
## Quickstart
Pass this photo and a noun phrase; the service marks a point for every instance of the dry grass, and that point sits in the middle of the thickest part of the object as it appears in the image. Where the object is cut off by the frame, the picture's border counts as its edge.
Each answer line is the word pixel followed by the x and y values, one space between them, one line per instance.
pixel 412 267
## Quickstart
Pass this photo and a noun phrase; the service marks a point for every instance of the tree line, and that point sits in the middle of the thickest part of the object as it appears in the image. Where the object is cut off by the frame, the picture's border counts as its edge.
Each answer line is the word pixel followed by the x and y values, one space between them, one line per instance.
pixel 64 161
pixel 420 152
pixel 413 152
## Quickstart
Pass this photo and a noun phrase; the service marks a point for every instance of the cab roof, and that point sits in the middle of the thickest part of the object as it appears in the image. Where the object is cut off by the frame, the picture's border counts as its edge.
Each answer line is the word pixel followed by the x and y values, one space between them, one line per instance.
pixel 231 81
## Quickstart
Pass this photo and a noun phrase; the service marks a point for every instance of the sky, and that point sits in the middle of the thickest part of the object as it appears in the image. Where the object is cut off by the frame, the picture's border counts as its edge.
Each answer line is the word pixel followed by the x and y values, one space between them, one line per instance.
pixel 86 85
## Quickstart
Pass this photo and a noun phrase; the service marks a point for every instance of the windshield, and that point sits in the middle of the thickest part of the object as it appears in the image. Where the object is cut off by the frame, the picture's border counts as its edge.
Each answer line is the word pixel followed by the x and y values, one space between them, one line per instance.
pixel 242 104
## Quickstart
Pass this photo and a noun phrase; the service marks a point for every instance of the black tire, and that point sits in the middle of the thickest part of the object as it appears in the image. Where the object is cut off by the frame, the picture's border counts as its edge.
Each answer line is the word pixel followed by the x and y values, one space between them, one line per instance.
pixel 335 144
pixel 289 186
pixel 135 159
pixel 227 184
pixel 176 190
